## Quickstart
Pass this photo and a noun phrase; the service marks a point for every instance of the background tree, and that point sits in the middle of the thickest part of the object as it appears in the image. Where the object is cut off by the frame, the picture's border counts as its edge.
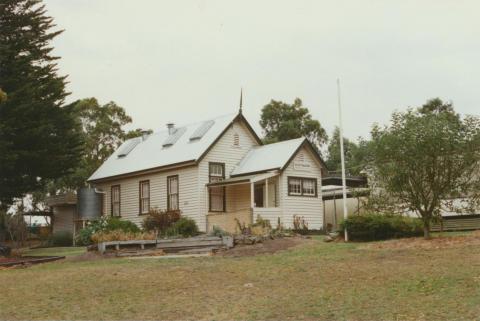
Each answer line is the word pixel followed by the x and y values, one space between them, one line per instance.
pixel 427 156
pixel 281 121
pixel 102 130
pixel 39 139
pixel 356 155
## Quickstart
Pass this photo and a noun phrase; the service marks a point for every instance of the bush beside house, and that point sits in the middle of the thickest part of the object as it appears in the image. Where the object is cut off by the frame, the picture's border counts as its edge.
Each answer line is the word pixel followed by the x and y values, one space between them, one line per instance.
pixel 156 223
pixel 372 226
pixel 103 225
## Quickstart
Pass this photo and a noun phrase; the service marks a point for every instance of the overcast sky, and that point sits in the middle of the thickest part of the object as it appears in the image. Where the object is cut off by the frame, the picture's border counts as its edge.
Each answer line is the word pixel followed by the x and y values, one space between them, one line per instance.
pixel 184 61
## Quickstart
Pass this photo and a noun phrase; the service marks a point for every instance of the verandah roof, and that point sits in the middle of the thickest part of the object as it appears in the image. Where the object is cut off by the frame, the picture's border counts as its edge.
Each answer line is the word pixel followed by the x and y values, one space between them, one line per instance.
pixel 244 179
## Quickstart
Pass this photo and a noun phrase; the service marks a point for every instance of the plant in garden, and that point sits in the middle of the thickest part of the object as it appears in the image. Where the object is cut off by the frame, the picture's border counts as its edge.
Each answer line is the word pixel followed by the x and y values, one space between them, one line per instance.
pixel 119 235
pixel 218 231
pixel 185 227
pixel 105 224
pixel 261 226
pixel 16 228
pixel 374 226
pixel 158 220
pixel 300 224
pixel 426 156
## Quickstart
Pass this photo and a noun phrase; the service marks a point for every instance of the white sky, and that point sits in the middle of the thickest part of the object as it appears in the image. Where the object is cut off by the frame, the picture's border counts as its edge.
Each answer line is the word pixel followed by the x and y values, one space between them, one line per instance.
pixel 184 61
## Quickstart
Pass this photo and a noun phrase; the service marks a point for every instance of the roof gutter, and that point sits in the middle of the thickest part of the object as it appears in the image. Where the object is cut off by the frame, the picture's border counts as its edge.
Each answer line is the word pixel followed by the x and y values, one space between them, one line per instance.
pixel 257 172
pixel 144 171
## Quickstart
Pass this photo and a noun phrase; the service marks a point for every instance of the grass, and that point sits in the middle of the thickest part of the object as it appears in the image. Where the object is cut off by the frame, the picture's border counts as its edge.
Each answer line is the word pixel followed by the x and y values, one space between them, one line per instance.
pixel 316 281
pixel 55 251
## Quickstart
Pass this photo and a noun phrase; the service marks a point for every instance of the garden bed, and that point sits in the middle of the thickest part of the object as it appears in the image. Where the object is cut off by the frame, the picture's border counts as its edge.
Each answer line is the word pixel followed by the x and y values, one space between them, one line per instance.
pixel 207 243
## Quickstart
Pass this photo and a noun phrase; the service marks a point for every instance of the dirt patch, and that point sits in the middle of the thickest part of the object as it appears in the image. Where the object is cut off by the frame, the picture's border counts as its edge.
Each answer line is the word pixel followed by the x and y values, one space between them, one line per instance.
pixel 89 256
pixel 439 242
pixel 266 247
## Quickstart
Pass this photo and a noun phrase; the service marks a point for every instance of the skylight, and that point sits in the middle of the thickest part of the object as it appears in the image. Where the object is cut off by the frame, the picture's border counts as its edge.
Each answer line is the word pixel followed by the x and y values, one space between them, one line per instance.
pixel 202 130
pixel 172 139
pixel 129 146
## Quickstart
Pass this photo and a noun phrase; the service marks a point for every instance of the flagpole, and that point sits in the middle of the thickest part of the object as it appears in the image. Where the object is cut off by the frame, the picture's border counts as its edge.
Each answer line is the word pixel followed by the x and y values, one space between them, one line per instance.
pixel 342 159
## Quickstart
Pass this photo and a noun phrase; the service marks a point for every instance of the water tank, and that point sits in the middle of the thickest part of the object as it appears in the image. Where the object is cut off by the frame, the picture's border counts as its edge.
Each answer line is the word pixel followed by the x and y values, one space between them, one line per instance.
pixel 89 204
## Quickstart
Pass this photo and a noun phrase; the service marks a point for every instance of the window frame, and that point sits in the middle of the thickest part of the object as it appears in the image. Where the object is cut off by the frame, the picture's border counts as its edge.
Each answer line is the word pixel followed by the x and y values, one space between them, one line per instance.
pixel 119 200
pixel 302 179
pixel 140 198
pixel 210 175
pixel 169 208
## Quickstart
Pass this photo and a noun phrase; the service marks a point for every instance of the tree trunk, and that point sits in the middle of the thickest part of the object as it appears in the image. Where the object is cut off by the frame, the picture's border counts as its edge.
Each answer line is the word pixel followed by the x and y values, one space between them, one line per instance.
pixel 426 230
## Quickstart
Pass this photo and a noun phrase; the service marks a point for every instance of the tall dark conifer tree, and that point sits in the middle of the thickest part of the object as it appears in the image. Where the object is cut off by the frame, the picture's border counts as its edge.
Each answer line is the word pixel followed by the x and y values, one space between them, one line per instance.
pixel 39 138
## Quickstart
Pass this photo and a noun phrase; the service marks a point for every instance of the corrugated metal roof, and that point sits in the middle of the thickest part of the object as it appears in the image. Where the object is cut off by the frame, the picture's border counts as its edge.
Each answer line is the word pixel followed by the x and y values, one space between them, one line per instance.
pixel 150 154
pixel 268 157
pixel 202 129
pixel 247 179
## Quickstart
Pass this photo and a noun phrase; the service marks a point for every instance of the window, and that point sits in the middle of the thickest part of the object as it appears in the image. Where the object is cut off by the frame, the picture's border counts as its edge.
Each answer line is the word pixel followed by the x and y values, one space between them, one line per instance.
pixel 216 173
pixel 172 193
pixel 294 186
pixel 236 140
pixel 308 187
pixel 144 197
pixel 301 186
pixel 115 206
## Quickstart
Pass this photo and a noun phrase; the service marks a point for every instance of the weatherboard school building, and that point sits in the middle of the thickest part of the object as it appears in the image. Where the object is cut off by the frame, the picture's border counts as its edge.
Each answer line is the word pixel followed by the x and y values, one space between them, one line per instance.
pixel 214 172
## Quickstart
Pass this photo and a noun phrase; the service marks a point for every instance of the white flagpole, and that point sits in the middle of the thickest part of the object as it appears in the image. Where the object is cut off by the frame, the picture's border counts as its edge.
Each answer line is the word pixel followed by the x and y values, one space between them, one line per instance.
pixel 342 158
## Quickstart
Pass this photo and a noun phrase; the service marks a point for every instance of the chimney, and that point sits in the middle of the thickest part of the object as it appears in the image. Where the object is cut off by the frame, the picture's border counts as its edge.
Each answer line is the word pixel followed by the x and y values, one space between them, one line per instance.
pixel 144 135
pixel 171 128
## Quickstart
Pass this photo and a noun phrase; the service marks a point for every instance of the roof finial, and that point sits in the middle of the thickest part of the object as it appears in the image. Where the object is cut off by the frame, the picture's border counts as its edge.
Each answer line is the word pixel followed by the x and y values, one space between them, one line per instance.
pixel 241 100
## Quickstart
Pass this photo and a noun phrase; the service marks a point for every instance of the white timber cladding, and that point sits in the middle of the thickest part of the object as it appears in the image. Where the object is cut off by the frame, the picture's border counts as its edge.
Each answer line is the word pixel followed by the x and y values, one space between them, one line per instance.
pixel 227 151
pixel 130 201
pixel 304 165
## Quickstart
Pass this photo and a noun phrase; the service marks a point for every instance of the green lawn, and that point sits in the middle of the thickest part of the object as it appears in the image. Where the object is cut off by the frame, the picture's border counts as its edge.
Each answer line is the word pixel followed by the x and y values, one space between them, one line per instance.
pixel 316 281
pixel 56 251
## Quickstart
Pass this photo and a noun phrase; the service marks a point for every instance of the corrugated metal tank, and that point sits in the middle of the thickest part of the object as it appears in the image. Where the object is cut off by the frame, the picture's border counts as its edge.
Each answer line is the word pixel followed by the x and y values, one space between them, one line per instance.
pixel 89 204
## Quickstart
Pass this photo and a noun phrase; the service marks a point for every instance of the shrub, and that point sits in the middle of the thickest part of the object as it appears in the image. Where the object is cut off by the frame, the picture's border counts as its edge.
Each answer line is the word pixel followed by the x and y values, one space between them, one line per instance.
pixel 104 224
pixel 372 226
pixel 115 224
pixel 158 220
pixel 62 238
pixel 186 227
pixel 218 231
pixel 119 235
pixel 300 225
pixel 261 227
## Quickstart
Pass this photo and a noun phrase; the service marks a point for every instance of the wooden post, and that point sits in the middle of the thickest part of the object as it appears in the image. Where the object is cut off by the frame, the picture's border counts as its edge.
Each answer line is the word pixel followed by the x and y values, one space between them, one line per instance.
pixel 74 232
pixel 252 200
pixel 207 207
pixel 266 192
pixel 252 195
pixel 323 215
pixel 335 210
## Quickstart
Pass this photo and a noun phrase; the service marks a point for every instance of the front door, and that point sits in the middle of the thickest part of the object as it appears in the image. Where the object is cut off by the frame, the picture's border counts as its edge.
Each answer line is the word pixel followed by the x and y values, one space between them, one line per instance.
pixel 258 195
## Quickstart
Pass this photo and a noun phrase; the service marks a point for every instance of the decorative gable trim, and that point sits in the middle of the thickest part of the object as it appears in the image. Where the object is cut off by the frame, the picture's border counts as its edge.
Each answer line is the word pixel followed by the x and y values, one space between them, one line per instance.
pixel 306 143
pixel 240 118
